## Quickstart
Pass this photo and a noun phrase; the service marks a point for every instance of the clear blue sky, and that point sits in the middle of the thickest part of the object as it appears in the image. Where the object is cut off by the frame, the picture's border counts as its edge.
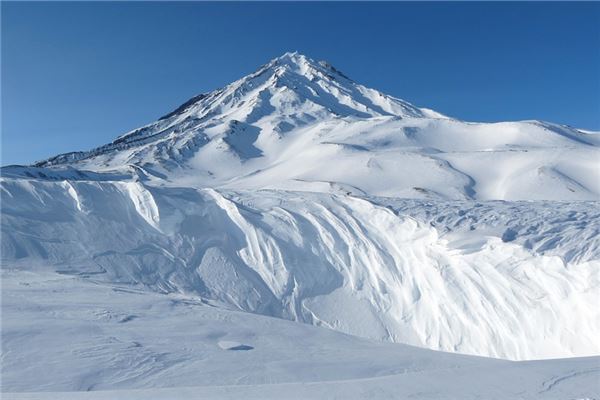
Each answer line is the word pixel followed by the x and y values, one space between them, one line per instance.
pixel 76 75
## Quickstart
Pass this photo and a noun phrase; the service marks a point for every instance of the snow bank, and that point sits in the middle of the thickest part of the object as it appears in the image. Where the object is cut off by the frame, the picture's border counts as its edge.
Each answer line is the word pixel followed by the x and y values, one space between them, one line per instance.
pixel 460 277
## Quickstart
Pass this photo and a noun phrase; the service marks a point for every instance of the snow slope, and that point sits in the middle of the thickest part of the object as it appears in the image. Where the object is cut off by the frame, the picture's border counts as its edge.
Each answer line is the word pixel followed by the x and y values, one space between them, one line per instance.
pixel 299 194
pixel 520 286
pixel 110 341
pixel 297 124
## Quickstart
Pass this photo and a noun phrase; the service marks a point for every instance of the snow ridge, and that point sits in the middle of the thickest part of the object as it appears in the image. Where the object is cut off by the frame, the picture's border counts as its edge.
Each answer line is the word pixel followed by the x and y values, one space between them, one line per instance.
pixel 356 265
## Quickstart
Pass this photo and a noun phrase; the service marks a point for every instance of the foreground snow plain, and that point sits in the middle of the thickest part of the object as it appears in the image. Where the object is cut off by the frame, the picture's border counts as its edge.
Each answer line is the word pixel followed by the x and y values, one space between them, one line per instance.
pixel 71 338
pixel 178 261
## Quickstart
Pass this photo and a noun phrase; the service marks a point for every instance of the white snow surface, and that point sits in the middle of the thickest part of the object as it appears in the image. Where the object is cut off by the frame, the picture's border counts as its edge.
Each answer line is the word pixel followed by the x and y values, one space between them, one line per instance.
pixel 508 280
pixel 68 337
pixel 173 262
pixel 297 124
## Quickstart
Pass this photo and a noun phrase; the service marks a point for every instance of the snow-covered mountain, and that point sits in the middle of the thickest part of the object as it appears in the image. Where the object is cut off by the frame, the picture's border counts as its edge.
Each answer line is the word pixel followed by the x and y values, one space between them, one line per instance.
pixel 297 124
pixel 299 194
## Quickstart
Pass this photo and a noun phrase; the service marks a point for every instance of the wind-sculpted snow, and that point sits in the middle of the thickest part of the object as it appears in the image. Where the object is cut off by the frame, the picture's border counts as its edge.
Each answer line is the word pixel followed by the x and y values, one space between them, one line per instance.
pixel 299 194
pixel 567 230
pixel 466 277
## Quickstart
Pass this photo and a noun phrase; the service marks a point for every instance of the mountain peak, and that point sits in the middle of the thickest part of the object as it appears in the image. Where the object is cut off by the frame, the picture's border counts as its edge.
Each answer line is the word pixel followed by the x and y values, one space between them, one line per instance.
pixel 303 65
pixel 290 91
pixel 292 56
pixel 300 124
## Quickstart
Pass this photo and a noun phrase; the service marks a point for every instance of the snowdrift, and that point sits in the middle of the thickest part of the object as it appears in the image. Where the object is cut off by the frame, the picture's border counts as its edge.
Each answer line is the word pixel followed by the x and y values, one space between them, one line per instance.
pixel 508 280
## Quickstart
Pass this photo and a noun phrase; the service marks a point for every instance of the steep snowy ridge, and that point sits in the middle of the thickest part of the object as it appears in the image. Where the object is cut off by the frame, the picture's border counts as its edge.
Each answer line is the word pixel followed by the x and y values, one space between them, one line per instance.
pixel 299 89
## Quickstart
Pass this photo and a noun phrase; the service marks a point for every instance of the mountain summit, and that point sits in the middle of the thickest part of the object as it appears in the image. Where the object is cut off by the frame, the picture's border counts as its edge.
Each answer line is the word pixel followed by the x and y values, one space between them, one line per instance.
pixel 294 84
pixel 288 92
pixel 299 124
